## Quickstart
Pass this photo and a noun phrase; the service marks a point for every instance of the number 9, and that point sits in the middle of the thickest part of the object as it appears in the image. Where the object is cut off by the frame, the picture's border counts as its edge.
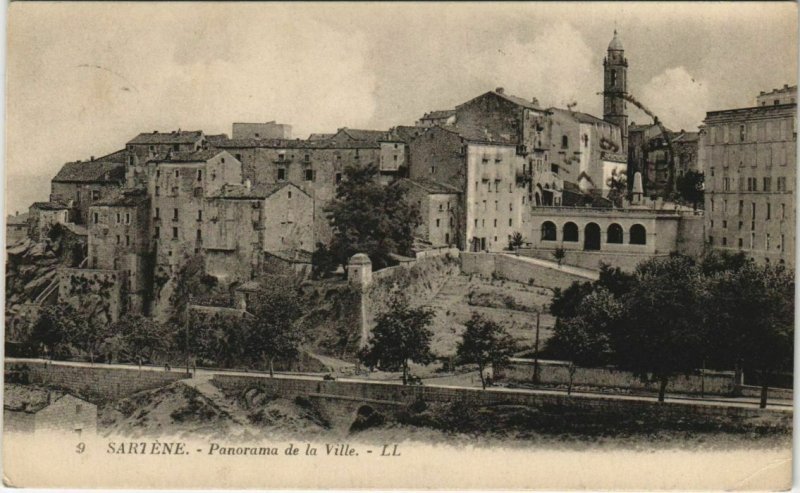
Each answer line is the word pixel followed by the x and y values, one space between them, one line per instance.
pixel 80 448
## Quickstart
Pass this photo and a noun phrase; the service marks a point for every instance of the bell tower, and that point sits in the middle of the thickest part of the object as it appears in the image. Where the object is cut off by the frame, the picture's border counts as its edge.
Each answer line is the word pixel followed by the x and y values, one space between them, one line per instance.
pixel 615 87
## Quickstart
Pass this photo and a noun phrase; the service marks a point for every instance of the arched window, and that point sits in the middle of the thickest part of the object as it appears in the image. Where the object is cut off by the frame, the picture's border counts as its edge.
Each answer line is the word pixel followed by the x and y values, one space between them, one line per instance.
pixel 614 233
pixel 570 232
pixel 548 231
pixel 638 235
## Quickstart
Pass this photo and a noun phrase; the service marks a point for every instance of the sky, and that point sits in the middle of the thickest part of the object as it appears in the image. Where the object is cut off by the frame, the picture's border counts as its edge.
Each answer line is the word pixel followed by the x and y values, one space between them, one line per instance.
pixel 84 78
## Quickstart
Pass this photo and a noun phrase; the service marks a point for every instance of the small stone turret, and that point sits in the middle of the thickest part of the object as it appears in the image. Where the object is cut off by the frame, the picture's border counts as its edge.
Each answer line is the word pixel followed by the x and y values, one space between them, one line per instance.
pixel 359 270
pixel 638 190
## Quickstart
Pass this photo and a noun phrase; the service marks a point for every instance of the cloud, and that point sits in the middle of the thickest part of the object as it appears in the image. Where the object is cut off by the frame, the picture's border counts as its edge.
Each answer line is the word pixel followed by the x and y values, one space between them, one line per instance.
pixel 556 66
pixel 678 98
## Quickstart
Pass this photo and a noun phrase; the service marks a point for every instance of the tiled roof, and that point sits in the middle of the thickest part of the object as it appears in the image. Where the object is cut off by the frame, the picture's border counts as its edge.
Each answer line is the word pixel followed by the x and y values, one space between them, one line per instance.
pixel 479 134
pixel 438 114
pixel 77 229
pixel 237 191
pixel 294 144
pixel 18 219
pixel 174 137
pixel 685 137
pixel 104 170
pixel 402 133
pixel 361 135
pixel 320 136
pixel 581 117
pixel 124 198
pixel 216 137
pixel 49 206
pixel 508 97
pixel 429 186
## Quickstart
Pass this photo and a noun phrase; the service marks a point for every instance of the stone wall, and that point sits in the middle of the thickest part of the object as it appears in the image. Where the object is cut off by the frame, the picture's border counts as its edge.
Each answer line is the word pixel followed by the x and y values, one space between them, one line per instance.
pixel 515 269
pixel 97 383
pixel 557 373
pixel 592 260
pixel 554 401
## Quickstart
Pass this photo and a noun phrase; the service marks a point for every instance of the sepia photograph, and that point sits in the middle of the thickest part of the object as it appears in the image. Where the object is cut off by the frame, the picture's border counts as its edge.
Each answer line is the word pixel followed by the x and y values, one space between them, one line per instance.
pixel 411 245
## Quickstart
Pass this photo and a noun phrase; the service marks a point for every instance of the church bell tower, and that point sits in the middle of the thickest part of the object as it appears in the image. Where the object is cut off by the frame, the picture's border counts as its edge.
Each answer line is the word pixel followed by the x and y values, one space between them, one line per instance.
pixel 615 87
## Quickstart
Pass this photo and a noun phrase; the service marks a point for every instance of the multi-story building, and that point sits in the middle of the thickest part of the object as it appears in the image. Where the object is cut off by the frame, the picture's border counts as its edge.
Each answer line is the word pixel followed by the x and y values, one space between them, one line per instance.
pixel 785 95
pixel 242 223
pixel 439 210
pixel 118 240
pixel 148 146
pixel 85 182
pixel 584 149
pixel 749 159
pixel 436 118
pixel 43 215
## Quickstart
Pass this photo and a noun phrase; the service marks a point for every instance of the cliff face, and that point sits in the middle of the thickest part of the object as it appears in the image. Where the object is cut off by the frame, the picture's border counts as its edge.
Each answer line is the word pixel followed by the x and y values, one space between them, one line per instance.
pixel 31 267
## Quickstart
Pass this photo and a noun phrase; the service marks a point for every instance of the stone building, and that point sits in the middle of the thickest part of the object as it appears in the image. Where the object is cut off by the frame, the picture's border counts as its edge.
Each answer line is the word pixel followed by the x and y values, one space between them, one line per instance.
pixel 85 182
pixel 615 88
pixel 439 208
pixel 119 240
pixel 43 215
pixel 394 152
pixel 178 186
pixel 686 145
pixel 749 159
pixel 584 149
pixel 316 166
pixel 437 118
pixel 243 223
pixel 785 95
pixel 16 228
pixel 268 130
pixel 148 146
pixel 492 178
pixel 48 412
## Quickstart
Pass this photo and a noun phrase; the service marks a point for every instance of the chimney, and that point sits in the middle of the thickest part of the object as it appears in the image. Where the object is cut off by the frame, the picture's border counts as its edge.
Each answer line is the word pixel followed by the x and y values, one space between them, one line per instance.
pixel 499 90
pixel 786 86
pixel 91 158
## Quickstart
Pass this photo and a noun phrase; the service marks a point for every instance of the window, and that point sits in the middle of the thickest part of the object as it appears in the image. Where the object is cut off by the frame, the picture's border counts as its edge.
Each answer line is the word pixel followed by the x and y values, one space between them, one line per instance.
pixel 158 173
pixel 724 224
pixel 510 222
pixel 199 215
pixel 769 211
pixel 433 169
pixel 119 218
pixel 767 184
pixel 614 234
pixel 781 186
pixel 127 218
pixel 281 174
pixel 564 141
pixel 158 213
pixel 783 211
pixel 174 233
pixel 177 173
pixel 199 235
pixel 158 191
pixel 176 147
pixel 726 184
pixel 710 240
pixel 724 241
pixel 485 160
pixel 199 175
pixel 496 206
pixel 712 171
pixel 741 243
pixel 289 194
pixel 338 178
pixel 511 207
pixel 570 232
pixel 309 175
pixel 95 194
pixel 766 242
pixel 119 239
pixel 753 210
pixel 742 133
pixel 96 217
pixel 157 232
pixel 548 231
pixel 174 214
pixel 495 223
pixel 638 235
pixel 437 223
pixel 127 240
pixel 780 247
pixel 741 207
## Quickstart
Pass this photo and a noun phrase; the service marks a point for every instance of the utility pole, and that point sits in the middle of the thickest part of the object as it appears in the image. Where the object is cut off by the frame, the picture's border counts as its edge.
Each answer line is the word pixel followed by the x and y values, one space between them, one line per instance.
pixel 536 351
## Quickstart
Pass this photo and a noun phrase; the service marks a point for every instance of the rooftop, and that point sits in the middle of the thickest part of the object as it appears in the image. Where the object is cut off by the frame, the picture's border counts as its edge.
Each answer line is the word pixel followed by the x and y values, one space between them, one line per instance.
pixel 500 92
pixel 17 219
pixel 581 117
pixel 124 198
pixel 198 156
pixel 752 112
pixel 402 133
pixel 360 135
pixel 107 169
pixel 49 206
pixel 615 44
pixel 786 88
pixel 174 137
pixel 429 186
pixel 328 143
pixel 438 114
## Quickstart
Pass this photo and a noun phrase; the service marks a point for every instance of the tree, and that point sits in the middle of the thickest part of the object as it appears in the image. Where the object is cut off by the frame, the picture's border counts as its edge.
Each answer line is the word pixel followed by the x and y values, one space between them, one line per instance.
pixel 559 255
pixel 323 262
pixel 690 187
pixel 53 328
pixel 751 314
pixel 370 218
pixel 484 343
pixel 141 337
pixel 516 241
pixel 615 280
pixel 400 335
pixel 565 302
pixel 661 331
pixel 221 340
pixel 585 339
pixel 272 332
